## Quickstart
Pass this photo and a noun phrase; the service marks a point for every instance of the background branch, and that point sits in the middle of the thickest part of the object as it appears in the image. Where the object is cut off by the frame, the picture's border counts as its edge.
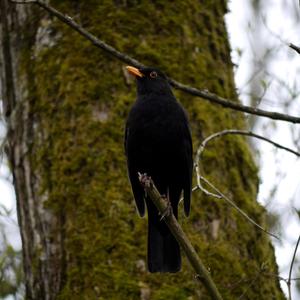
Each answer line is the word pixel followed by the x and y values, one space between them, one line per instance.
pixel 291 269
pixel 242 132
pixel 218 193
pixel 187 89
pixel 221 195
pixel 294 47
pixel 162 205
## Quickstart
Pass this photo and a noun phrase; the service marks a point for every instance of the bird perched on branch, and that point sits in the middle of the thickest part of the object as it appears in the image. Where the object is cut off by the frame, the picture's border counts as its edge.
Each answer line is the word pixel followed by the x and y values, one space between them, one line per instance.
pixel 158 142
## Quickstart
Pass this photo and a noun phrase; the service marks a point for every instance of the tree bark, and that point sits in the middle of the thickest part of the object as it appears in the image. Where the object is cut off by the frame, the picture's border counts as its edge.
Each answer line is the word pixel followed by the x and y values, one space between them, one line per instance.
pixel 65 104
pixel 41 229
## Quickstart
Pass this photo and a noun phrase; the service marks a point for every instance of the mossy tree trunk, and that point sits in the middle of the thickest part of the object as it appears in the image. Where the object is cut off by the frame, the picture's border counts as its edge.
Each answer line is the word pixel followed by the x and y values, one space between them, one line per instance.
pixel 65 104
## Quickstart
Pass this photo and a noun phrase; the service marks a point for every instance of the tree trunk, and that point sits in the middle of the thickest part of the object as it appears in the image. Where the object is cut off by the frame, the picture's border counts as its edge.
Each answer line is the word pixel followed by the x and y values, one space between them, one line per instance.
pixel 65 104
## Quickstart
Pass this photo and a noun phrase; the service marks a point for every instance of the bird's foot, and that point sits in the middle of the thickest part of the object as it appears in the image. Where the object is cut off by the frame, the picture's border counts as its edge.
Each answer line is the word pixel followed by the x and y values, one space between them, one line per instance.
pixel 145 180
pixel 168 211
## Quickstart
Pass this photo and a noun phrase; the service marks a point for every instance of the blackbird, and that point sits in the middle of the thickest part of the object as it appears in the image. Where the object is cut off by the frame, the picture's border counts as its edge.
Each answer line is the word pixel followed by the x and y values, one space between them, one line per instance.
pixel 158 142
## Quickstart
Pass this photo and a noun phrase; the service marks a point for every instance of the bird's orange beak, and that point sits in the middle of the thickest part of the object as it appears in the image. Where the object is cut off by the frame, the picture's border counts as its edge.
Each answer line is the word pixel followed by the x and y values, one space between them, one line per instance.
pixel 134 71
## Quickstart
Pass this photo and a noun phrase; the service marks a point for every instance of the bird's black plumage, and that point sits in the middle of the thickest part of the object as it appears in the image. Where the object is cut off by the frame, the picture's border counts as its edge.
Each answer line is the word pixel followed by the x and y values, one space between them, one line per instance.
pixel 158 143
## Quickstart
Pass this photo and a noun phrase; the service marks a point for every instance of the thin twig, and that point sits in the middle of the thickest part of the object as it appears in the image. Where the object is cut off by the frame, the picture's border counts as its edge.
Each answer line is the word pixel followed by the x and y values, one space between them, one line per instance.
pixel 243 132
pixel 238 209
pixel 295 279
pixel 281 278
pixel 294 47
pixel 161 204
pixel 218 193
pixel 194 189
pixel 204 94
pixel 291 269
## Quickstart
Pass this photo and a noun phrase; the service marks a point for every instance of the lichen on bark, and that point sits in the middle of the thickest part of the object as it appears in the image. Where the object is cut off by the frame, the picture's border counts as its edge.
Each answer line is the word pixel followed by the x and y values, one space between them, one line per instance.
pixel 79 98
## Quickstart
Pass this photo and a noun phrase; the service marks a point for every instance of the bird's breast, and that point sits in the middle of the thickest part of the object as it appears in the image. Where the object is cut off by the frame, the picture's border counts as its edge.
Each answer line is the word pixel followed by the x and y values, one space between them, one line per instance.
pixel 156 124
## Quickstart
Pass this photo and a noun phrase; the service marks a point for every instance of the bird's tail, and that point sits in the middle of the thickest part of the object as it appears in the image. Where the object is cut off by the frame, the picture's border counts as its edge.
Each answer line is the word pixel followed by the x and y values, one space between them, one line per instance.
pixel 163 249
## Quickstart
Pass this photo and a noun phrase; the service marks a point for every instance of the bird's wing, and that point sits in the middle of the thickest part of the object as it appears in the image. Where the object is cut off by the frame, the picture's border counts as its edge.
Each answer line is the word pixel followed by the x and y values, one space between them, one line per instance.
pixel 137 189
pixel 188 168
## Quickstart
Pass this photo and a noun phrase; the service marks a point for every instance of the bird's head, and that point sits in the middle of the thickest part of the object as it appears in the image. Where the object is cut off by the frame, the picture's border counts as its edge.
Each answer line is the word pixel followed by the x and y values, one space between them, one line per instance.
pixel 150 80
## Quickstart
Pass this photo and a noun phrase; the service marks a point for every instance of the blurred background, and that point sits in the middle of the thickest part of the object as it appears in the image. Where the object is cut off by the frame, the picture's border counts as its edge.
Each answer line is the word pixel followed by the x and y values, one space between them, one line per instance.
pixel 266 73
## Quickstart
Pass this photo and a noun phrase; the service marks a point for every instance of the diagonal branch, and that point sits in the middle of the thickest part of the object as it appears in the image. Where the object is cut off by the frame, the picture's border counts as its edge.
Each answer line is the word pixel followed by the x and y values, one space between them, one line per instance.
pixel 233 105
pixel 294 47
pixel 182 239
pixel 221 195
pixel 204 94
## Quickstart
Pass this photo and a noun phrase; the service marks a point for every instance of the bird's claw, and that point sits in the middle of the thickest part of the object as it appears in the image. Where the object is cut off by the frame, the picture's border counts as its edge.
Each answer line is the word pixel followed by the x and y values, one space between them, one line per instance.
pixel 144 179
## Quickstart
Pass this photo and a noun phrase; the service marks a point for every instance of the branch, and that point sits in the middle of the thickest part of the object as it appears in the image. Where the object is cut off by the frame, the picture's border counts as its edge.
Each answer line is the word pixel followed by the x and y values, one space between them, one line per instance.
pixel 219 194
pixel 242 132
pixel 291 269
pixel 281 278
pixel 161 205
pixel 233 105
pixel 294 47
pixel 187 89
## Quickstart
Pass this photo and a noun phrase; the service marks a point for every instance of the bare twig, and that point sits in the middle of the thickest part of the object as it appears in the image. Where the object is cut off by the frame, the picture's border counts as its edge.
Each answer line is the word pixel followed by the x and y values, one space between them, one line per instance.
pixel 242 132
pixel 204 94
pixel 291 269
pixel 295 279
pixel 221 195
pixel 280 277
pixel 294 47
pixel 161 204
pixel 218 193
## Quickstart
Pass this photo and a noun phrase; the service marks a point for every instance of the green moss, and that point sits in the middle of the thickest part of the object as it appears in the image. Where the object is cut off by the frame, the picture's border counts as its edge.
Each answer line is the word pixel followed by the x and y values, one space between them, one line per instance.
pixel 81 101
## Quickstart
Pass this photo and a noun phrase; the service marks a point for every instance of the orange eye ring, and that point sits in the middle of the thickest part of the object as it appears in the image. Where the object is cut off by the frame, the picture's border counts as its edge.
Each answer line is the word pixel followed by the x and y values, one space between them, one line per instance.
pixel 153 74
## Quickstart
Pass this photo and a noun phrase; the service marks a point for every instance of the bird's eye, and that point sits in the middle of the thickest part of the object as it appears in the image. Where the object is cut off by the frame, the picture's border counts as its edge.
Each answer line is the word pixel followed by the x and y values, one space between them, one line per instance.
pixel 153 74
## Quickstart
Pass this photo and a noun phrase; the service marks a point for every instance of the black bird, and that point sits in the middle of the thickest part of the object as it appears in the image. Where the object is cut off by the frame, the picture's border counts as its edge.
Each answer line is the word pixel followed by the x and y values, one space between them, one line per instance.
pixel 158 142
